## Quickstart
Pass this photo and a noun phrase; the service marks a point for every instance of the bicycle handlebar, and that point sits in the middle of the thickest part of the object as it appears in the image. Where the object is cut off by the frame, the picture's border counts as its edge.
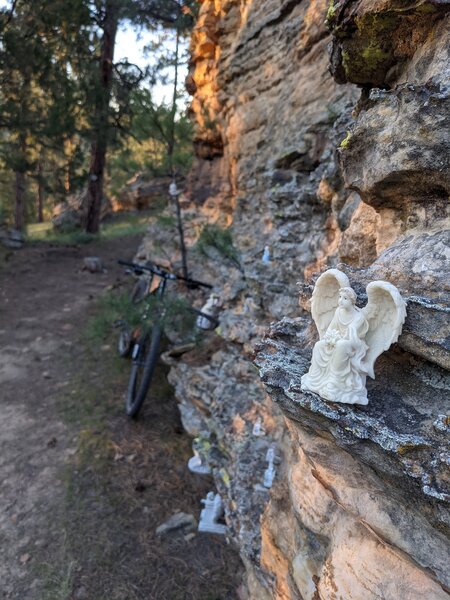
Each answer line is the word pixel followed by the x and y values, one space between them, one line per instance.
pixel 162 272
pixel 155 269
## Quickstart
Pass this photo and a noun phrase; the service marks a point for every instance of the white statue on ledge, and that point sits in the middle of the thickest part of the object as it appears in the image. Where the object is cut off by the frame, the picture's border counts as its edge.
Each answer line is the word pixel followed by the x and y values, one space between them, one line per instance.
pixel 258 428
pixel 210 515
pixel 351 338
pixel 195 465
pixel 269 473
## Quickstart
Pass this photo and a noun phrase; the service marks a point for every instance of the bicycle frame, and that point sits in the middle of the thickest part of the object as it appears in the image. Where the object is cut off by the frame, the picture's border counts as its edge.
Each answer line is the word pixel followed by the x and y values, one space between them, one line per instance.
pixel 159 295
pixel 145 349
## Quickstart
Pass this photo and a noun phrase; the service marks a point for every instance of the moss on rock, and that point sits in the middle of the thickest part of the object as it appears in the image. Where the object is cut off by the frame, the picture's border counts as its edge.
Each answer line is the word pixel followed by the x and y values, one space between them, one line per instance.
pixel 369 44
pixel 346 141
pixel 369 53
pixel 331 14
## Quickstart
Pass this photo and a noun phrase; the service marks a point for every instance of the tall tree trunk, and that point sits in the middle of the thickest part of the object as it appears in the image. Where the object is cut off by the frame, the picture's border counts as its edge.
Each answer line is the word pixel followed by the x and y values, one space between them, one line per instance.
pixel 68 166
pixel 40 204
pixel 100 141
pixel 19 207
pixel 170 150
pixel 173 111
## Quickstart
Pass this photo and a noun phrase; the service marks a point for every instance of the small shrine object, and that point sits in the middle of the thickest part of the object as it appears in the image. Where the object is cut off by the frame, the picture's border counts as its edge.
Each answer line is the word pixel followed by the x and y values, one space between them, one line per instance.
pixel 210 309
pixel 351 338
pixel 195 465
pixel 266 255
pixel 258 429
pixel 210 515
pixel 173 190
pixel 269 473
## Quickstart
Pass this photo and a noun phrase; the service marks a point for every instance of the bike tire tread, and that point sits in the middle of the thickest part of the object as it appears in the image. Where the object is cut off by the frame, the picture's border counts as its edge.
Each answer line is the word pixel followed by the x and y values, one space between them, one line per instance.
pixel 135 398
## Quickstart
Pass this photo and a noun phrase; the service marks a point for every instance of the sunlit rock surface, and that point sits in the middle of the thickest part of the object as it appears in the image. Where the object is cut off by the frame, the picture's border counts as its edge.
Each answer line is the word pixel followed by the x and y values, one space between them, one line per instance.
pixel 399 440
pixel 332 149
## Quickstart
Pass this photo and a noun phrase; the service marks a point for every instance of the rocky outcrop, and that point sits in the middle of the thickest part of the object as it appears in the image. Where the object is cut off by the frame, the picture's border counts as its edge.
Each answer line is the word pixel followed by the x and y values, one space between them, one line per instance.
pixel 72 214
pixel 321 140
pixel 142 192
pixel 398 444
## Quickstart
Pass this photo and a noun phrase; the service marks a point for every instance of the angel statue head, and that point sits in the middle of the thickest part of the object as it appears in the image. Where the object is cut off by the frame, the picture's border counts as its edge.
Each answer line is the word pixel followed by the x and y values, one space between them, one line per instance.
pixel 347 297
pixel 351 339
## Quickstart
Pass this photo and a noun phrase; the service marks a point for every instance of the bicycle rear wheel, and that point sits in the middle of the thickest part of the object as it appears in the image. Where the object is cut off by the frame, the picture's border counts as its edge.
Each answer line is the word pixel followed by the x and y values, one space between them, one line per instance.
pixel 145 357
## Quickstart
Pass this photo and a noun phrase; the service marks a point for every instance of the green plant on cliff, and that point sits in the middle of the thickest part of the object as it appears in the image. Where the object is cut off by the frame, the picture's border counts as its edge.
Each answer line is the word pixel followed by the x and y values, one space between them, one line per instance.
pixel 331 13
pixel 214 236
pixel 346 141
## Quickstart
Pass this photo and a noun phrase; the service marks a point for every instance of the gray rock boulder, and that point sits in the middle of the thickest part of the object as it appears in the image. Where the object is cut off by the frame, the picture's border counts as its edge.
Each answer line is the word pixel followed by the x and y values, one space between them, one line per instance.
pixel 178 522
pixel 12 238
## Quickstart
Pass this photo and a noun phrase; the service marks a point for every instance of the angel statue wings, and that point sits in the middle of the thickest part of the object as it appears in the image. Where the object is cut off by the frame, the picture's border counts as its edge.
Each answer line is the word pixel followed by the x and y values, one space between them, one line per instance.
pixel 351 338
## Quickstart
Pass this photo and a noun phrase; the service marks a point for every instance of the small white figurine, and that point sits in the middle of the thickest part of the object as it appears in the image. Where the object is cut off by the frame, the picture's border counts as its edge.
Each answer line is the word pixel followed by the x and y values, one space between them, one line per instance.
pixel 195 465
pixel 258 429
pixel 351 338
pixel 173 190
pixel 269 473
pixel 270 455
pixel 209 515
pixel 266 255
pixel 211 308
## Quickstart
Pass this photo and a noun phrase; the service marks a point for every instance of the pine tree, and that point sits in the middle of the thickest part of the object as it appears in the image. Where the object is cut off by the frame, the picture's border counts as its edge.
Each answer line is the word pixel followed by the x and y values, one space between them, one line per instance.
pixel 108 14
pixel 36 92
pixel 62 95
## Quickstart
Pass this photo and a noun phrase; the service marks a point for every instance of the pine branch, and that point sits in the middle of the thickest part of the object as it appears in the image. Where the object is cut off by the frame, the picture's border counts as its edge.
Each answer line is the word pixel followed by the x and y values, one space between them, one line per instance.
pixel 10 14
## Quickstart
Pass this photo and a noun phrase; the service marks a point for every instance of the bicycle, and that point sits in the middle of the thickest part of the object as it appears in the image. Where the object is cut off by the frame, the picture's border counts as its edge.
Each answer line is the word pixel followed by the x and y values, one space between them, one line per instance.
pixel 145 349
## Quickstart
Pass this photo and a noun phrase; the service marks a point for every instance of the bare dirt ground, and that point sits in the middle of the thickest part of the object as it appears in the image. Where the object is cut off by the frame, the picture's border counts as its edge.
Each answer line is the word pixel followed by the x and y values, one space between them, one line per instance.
pixel 82 487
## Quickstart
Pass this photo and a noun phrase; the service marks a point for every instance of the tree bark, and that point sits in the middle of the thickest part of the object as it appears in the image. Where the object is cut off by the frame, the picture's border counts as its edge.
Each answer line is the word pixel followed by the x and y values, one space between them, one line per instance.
pixel 68 166
pixel 41 196
pixel 19 207
pixel 99 145
pixel 19 204
pixel 184 266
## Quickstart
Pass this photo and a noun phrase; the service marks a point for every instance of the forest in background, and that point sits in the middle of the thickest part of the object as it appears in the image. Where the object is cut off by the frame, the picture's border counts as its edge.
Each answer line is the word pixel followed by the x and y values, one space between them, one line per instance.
pixel 72 119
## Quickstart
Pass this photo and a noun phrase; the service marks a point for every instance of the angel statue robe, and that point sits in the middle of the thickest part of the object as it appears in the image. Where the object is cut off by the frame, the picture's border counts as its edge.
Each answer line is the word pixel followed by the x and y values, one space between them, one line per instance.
pixel 337 371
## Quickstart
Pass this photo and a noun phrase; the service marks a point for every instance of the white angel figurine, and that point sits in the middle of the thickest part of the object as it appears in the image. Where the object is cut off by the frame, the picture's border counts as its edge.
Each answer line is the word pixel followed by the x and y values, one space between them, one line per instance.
pixel 351 338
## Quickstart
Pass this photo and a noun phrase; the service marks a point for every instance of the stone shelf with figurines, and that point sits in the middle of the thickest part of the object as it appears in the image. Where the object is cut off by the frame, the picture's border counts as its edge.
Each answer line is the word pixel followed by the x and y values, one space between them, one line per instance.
pixel 317 374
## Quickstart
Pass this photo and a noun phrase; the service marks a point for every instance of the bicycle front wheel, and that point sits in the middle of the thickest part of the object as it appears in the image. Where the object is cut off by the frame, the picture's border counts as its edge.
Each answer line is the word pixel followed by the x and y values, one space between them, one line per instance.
pixel 145 357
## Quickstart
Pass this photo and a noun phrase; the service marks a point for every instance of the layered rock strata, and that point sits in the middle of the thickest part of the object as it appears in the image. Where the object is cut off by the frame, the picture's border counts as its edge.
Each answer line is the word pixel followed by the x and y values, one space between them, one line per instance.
pixel 330 149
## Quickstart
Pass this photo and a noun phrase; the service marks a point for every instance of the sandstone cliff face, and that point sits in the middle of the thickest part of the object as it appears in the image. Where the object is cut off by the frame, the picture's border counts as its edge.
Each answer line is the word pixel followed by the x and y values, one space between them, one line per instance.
pixel 329 148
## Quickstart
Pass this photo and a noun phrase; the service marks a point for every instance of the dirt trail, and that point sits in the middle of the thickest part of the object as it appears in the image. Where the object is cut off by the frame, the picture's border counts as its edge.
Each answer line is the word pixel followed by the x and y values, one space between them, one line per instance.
pixel 82 488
